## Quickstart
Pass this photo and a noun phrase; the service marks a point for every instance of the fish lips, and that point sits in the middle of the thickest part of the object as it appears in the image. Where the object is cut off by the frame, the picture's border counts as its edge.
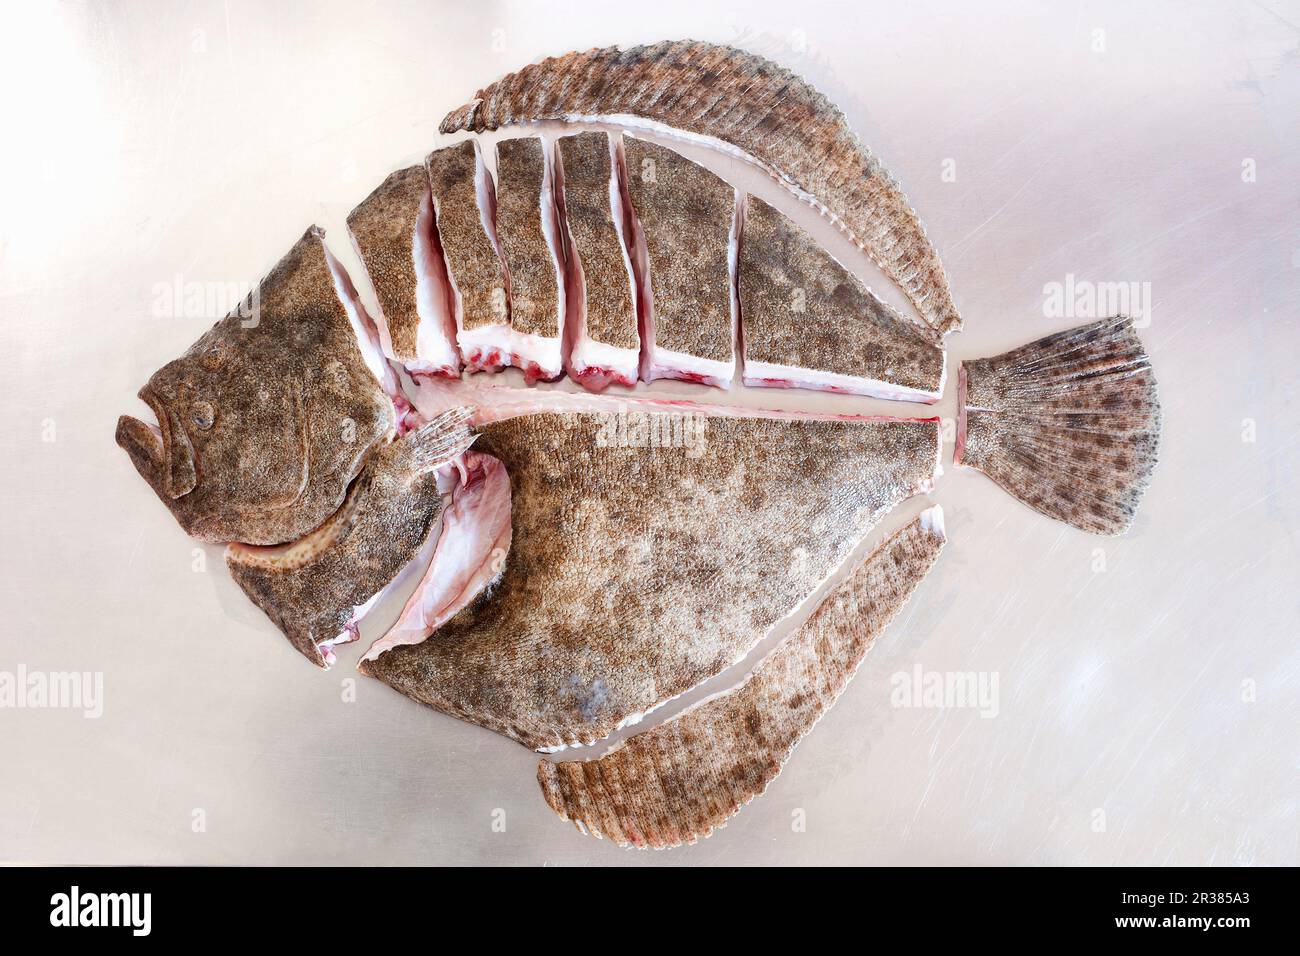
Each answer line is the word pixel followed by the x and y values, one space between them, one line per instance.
pixel 163 455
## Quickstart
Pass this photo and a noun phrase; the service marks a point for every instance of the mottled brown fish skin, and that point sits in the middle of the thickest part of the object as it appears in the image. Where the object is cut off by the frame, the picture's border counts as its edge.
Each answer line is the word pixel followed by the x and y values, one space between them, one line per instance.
pixel 685 213
pixel 534 288
pixel 800 307
pixel 268 417
pixel 310 591
pixel 589 220
pixel 472 259
pixel 636 572
pixel 752 103
pixel 383 227
pixel 389 513
pixel 678 782
pixel 1069 424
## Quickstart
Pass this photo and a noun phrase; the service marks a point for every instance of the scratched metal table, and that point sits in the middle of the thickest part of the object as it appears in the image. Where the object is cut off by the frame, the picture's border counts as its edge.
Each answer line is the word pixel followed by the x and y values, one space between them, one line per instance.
pixel 1146 687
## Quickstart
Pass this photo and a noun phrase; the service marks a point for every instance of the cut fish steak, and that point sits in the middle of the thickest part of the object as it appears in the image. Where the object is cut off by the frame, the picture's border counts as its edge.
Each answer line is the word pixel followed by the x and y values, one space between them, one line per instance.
pixel 682 225
pixel 677 782
pixel 633 274
pixel 606 344
pixel 464 204
pixel 649 552
pixel 394 236
pixel 809 323
pixel 529 236
pixel 318 588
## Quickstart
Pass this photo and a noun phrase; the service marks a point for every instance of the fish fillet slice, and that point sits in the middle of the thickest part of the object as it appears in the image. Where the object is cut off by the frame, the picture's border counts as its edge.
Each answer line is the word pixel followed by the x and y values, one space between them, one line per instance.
pixel 528 232
pixel 809 323
pixel 681 219
pixel 317 589
pixel 749 105
pixel 464 204
pixel 678 782
pixel 606 345
pixel 1069 424
pixel 645 560
pixel 394 236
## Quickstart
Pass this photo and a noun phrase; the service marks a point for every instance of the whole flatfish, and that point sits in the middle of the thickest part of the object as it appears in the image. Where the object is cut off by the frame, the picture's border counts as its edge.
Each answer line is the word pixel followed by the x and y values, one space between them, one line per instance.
pixel 603 549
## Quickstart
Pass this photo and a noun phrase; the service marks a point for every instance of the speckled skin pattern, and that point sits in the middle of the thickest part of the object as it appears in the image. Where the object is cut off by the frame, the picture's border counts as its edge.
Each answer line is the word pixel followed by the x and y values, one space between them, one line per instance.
pixel 383 227
pixel 1069 424
pixel 685 214
pixel 589 220
pixel 264 426
pixel 638 567
pixel 800 307
pixel 676 783
pixel 389 512
pixel 753 104
pixel 637 572
pixel 472 259
pixel 534 289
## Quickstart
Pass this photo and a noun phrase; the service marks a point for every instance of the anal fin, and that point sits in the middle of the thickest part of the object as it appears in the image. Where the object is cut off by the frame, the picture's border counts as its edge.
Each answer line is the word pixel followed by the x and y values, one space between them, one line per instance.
pixel 683 779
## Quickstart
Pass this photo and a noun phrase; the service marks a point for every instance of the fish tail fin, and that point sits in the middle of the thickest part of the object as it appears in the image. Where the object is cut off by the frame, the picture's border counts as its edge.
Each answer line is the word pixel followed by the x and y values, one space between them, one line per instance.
pixel 1069 424
pixel 440 439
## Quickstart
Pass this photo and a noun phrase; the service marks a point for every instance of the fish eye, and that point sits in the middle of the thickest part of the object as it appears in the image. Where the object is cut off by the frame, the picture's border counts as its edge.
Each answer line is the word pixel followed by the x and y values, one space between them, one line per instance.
pixel 201 415
pixel 213 357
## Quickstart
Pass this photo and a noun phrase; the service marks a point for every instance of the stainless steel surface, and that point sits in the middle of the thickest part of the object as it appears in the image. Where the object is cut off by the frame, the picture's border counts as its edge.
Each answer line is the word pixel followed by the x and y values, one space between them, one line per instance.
pixel 1146 708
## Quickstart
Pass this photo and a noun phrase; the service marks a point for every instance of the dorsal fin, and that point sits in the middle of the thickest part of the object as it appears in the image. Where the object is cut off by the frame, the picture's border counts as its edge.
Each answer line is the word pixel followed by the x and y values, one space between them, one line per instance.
pixel 752 104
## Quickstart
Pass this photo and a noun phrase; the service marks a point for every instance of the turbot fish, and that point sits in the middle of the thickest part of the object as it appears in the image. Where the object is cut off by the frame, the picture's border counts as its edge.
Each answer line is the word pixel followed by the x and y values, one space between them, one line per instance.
pixel 578 556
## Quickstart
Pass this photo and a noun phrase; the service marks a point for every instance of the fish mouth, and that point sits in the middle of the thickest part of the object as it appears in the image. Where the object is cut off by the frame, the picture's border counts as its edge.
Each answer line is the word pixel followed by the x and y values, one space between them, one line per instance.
pixel 162 453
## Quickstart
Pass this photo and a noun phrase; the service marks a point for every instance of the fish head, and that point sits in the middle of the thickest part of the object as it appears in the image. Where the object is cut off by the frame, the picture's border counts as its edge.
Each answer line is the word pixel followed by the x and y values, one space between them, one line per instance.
pixel 261 426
